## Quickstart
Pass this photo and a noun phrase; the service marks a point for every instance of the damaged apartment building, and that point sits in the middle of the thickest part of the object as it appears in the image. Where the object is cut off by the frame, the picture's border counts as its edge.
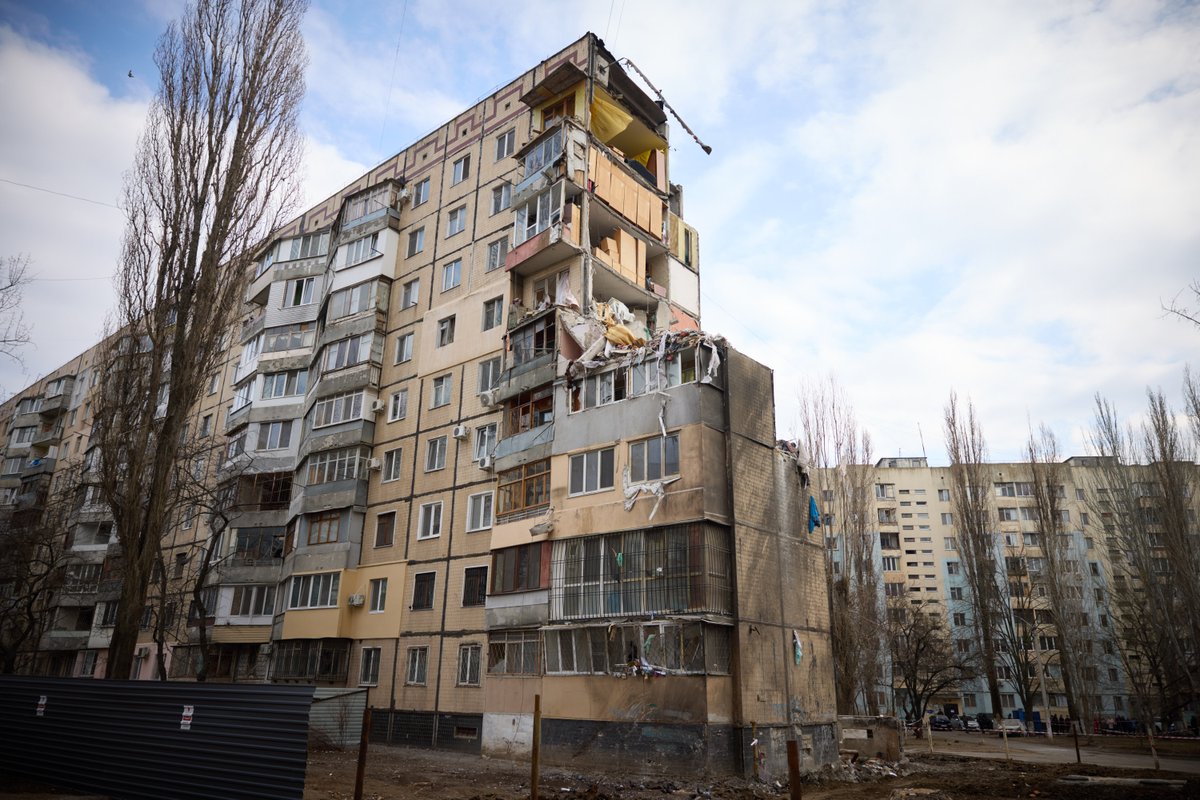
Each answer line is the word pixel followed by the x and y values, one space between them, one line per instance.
pixel 480 449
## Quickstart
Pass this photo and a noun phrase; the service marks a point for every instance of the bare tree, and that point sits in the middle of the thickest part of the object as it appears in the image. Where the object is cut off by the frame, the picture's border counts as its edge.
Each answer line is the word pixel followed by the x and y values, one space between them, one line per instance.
pixel 214 173
pixel 971 496
pixel 839 453
pixel 14 277
pixel 1178 309
pixel 925 662
pixel 33 561
pixel 1145 496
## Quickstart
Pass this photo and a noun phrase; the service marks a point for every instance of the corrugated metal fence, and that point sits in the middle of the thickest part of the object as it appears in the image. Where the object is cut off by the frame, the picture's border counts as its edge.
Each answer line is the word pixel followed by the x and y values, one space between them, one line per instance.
pixel 337 716
pixel 146 739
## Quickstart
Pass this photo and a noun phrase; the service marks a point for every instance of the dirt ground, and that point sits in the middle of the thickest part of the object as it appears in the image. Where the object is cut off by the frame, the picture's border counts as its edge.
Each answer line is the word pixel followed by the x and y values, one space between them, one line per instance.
pixel 394 772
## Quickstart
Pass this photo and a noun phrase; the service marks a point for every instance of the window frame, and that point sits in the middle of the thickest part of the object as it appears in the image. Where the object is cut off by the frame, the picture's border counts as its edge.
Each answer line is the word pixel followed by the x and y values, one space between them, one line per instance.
pixel 368 669
pixel 456 220
pixel 416 672
pixel 429 521
pixel 388 540
pixel 451 274
pixel 435 453
pixel 493 313
pixel 641 472
pixel 470 656
pixel 416 242
pixel 377 595
pixel 404 348
pixel 393 465
pixel 474 525
pixel 398 405
pixel 460 170
pixel 424 583
pixel 441 390
pixel 591 466
pixel 506 144
pixel 420 194
pixel 475 577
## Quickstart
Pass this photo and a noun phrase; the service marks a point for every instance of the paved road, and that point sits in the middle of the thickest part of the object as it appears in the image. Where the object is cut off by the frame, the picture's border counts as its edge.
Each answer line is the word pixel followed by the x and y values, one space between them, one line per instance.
pixel 1037 751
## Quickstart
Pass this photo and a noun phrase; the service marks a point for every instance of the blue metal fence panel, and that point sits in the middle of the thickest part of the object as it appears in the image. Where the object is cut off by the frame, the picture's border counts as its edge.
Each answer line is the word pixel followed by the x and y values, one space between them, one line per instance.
pixel 154 740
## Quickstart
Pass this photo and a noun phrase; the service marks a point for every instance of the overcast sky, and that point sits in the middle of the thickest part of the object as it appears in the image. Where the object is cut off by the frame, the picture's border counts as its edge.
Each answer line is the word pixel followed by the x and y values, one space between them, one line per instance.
pixel 989 197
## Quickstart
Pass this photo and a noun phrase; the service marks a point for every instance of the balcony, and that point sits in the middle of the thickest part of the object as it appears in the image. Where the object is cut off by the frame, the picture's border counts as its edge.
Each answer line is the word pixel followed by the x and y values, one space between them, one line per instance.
pixel 47 435
pixel 260 286
pixel 38 466
pixel 53 406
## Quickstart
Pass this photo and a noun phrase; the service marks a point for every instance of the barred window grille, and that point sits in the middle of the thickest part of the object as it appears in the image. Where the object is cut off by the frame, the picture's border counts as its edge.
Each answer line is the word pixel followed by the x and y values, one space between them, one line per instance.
pixel 674 569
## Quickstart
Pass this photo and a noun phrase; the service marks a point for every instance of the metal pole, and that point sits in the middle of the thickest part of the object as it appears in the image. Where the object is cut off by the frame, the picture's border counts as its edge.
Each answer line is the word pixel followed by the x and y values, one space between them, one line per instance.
pixel 793 750
pixel 535 761
pixel 362 754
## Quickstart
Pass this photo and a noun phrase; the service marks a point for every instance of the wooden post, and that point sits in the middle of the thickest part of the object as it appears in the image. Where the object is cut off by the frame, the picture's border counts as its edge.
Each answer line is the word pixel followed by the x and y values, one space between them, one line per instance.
pixel 1075 732
pixel 793 750
pixel 1153 749
pixel 535 762
pixel 1004 733
pixel 929 732
pixel 754 748
pixel 362 754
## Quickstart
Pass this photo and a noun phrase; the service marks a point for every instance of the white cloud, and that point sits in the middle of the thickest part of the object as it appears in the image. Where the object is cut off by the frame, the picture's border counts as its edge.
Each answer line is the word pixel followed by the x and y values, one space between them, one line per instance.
pixel 64 132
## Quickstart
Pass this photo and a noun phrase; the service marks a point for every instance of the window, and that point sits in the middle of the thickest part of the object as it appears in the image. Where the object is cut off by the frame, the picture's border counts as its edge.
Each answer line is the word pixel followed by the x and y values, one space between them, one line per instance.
pixel 517 569
pixel 539 213
pixel 497 252
pixel 274 435
pixel 347 463
pixel 493 313
pixel 418 659
pixel 289 337
pixel 456 222
pixel 889 541
pixel 435 454
pixel 348 352
pixel 310 245
pixel 442 387
pixel 385 529
pixel 893 589
pixel 323 527
pixel 404 348
pixel 506 143
pixel 524 489
pixel 285 384
pixel 489 374
pixel 378 592
pixel 513 653
pixel 545 151
pixel 469 656
pixel 461 170
pixel 592 472
pixel 960 619
pixel 952 568
pixel 501 197
pixel 533 340
pixel 410 294
pixel 885 491
pixel 319 590
pixel 891 563
pixel 451 274
pixel 1007 514
pixel 886 516
pixel 485 441
pixel 368 672
pixel 391 465
pixel 654 459
pixel 530 410
pixel 445 331
pixel 360 250
pixel 423 583
pixel 430 524
pixel 367 202
pixel 956 593
pixel 416 241
pixel 398 405
pixel 354 300
pixel 474 586
pixel 298 292
pixel 950 543
pixel 337 408
pixel 479 512
pixel 206 425
pixel 420 192
pixel 252 601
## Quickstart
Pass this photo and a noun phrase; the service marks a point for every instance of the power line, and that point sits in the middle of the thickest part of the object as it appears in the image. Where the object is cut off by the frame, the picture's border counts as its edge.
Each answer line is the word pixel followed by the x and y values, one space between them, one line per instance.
pixel 96 278
pixel 392 82
pixel 61 194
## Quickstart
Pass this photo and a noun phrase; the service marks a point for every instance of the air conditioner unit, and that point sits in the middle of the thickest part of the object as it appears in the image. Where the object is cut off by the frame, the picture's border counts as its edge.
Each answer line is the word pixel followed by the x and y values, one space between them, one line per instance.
pixel 374 463
pixel 356 600
pixel 461 431
pixel 488 398
pixel 485 463
pixel 378 405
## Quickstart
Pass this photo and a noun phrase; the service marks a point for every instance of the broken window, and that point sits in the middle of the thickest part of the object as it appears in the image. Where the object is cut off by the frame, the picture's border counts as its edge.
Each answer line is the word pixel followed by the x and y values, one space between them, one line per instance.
pixel 544 152
pixel 539 213
pixel 533 340
pixel 679 568
pixel 690 648
pixel 530 410
pixel 513 653
pixel 598 390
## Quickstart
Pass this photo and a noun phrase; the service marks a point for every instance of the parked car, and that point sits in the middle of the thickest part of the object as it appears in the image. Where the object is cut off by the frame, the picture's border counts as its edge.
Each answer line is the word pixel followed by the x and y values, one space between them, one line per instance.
pixel 1012 727
pixel 956 724
pixel 972 725
pixel 939 722
pixel 985 722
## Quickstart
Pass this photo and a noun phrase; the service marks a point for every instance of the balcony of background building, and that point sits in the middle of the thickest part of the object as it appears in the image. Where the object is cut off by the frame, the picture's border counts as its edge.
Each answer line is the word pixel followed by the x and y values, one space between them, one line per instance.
pixel 58 397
